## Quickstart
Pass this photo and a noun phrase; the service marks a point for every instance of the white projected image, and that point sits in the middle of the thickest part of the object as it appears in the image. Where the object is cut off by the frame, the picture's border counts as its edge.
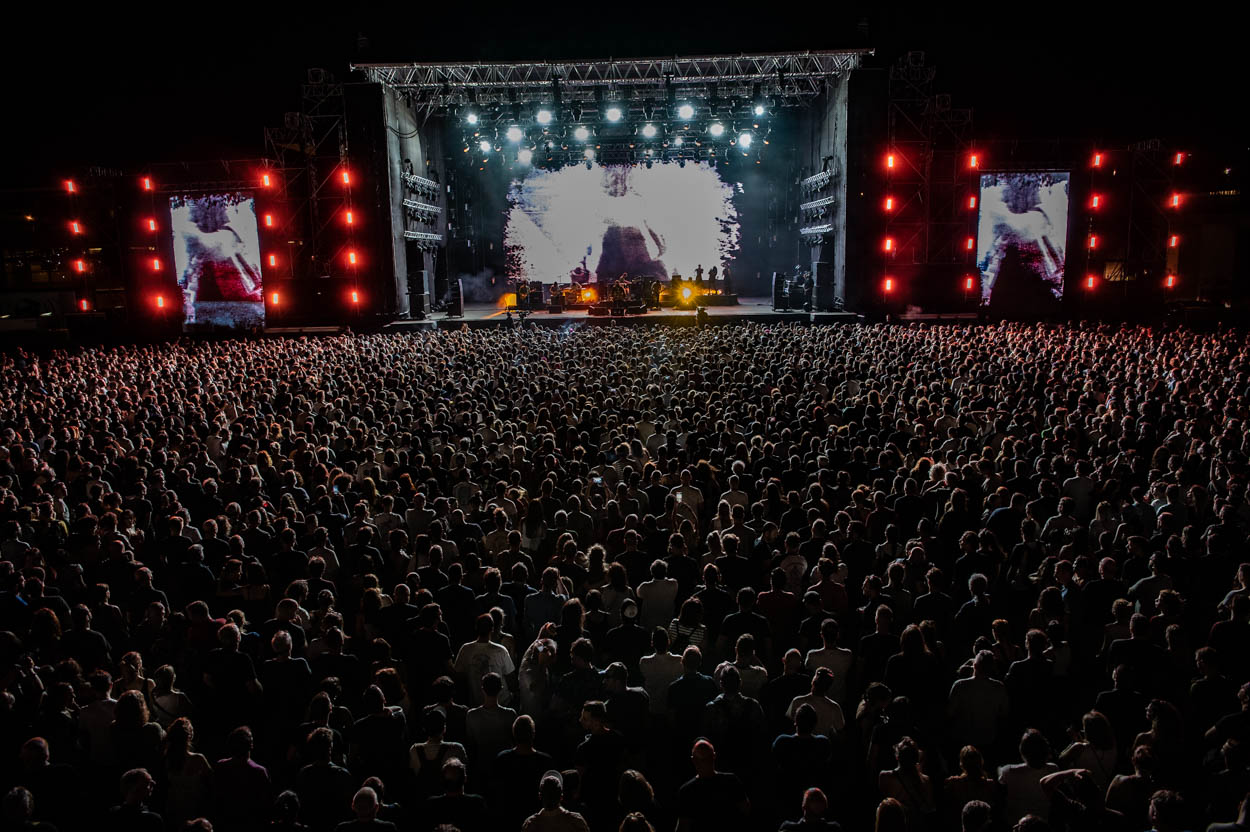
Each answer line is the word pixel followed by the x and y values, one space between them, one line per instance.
pixel 1022 236
pixel 217 254
pixel 604 222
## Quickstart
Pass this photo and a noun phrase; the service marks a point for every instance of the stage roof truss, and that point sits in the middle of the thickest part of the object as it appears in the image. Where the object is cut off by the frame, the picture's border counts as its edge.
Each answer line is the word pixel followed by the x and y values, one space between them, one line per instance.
pixel 788 78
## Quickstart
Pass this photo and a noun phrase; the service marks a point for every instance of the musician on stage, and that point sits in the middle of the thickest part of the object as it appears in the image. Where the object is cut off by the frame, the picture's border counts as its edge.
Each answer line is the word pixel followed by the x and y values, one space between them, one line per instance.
pixel 711 279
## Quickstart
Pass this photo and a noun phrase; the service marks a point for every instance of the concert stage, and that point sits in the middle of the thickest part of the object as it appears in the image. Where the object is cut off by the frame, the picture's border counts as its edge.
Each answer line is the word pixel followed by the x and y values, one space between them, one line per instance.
pixel 755 310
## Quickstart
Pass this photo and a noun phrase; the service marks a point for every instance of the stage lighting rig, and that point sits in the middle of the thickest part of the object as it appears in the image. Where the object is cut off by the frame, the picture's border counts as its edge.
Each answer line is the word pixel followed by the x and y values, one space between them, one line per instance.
pixel 614 113
pixel 648 131
pixel 685 112
pixel 581 133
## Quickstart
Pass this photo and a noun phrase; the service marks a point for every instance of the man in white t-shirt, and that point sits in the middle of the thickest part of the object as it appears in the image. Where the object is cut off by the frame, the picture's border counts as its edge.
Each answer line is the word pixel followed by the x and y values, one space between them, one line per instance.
pixel 835 658
pixel 657 597
pixel 831 722
pixel 477 658
pixel 659 670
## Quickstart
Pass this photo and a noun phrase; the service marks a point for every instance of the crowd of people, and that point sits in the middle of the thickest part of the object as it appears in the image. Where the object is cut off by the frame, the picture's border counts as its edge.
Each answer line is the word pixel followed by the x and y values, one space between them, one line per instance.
pixel 901 578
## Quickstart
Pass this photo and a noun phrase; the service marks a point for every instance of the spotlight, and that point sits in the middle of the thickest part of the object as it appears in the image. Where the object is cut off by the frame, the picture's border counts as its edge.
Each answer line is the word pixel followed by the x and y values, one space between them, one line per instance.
pixel 759 109
pixel 686 293
pixel 471 118
pixel 543 117
pixel 589 154
pixel 515 134
pixel 685 111
pixel 613 114
pixel 484 146
pixel 744 140
pixel 588 296
pixel 582 133
pixel 679 141
pixel 716 130
pixel 524 156
pixel 648 131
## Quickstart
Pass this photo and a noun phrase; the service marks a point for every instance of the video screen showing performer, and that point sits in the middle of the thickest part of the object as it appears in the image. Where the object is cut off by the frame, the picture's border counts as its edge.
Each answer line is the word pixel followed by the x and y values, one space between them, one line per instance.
pixel 1022 239
pixel 602 222
pixel 217 254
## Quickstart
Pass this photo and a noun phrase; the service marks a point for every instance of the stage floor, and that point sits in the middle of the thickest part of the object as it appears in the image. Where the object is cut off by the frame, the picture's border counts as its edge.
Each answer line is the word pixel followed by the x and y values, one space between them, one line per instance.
pixel 759 310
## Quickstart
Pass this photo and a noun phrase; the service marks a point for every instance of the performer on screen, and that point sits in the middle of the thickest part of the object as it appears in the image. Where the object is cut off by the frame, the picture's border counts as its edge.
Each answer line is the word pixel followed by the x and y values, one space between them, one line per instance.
pixel 218 267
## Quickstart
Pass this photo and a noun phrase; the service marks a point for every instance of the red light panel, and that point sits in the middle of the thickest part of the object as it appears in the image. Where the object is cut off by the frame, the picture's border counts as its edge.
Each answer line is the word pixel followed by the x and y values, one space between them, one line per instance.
pixel 1095 202
pixel 74 227
pixel 1089 282
pixel 160 301
pixel 1174 241
pixel 889 203
pixel 973 161
pixel 889 161
pixel 347 178
pixel 151 225
pixel 269 220
pixel 273 259
pixel 355 296
pixel 264 180
pixel 889 285
pixel 147 183
pixel 1178 158
pixel 1097 160
pixel 351 219
pixel 84 305
pixel 1170 281
pixel 274 298
pixel 70 186
pixel 889 244
pixel 968 284
pixel 156 264
pixel 351 257
pixel 80 266
pixel 970 243
pixel 972 202
pixel 1093 241
pixel 1175 201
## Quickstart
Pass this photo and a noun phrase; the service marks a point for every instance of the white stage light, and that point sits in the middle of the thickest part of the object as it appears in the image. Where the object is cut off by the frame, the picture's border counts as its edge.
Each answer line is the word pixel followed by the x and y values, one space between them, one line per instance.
pixel 581 134
pixel 685 111
pixel 717 130
pixel 543 117
pixel 744 140
pixel 485 146
pixel 648 131
pixel 515 134
pixel 525 156
pixel 614 114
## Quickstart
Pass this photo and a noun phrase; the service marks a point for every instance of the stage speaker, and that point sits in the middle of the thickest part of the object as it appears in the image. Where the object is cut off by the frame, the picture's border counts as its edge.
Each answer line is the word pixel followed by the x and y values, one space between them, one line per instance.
pixel 779 291
pixel 419 294
pixel 824 291
pixel 455 306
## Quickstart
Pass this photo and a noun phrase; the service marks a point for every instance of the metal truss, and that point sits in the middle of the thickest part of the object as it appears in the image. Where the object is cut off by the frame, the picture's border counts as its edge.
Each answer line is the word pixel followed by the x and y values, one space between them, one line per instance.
pixel 790 78
pixel 816 183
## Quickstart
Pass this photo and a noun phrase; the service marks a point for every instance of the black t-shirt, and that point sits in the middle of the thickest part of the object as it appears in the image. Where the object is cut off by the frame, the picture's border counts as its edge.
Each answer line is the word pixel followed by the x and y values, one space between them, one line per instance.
pixel 600 756
pixel 466 812
pixel 712 803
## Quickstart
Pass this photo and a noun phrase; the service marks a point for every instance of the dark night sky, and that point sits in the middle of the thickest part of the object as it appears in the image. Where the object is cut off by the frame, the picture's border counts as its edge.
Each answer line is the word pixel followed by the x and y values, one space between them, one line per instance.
pixel 164 85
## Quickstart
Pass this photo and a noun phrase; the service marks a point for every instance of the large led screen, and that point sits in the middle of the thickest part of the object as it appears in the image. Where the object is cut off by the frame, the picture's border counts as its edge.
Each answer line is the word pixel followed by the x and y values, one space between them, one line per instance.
pixel 1022 238
pixel 602 222
pixel 217 254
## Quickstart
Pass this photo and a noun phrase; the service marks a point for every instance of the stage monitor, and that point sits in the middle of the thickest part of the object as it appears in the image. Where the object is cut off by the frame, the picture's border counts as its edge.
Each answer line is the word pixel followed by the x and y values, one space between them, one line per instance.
pixel 595 224
pixel 1022 237
pixel 217 255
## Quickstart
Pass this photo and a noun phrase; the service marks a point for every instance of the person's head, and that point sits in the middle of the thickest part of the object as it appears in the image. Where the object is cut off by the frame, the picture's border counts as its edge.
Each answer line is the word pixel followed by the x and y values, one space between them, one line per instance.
pixel 137 786
pixel 551 789
pixel 523 731
pixel 703 757
pixel 454 776
pixel 239 742
pixel 1167 811
pixel 18 808
pixel 908 754
pixel 692 659
pixel 365 803
pixel 891 816
pixel 805 719
pixel 815 804
pixel 1034 749
pixel 594 716
pixel 975 816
